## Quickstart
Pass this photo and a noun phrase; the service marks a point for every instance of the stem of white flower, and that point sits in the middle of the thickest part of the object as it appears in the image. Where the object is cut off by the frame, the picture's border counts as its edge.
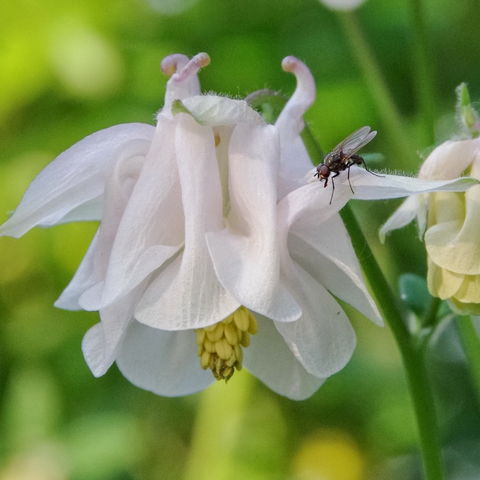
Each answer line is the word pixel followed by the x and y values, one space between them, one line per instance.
pixel 471 346
pixel 404 157
pixel 423 71
pixel 413 356
pixel 219 420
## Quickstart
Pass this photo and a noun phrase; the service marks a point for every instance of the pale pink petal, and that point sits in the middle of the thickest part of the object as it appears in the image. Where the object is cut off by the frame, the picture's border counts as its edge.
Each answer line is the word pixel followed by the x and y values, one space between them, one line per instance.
pixel 246 254
pixel 187 294
pixel 76 177
pixel 271 361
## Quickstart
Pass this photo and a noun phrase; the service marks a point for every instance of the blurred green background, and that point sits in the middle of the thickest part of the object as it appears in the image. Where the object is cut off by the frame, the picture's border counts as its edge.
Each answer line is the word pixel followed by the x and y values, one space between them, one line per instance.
pixel 68 69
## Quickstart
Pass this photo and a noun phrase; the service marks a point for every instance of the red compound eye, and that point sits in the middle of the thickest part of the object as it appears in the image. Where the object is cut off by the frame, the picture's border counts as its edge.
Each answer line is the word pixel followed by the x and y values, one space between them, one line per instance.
pixel 323 171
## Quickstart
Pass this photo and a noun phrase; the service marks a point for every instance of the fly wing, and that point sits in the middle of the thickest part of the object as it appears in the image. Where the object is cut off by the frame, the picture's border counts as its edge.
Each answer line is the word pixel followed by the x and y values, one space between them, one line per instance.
pixel 356 141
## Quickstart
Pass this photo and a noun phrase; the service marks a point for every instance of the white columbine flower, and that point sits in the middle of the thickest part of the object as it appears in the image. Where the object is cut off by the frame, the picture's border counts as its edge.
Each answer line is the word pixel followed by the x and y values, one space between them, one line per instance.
pixel 450 225
pixel 212 252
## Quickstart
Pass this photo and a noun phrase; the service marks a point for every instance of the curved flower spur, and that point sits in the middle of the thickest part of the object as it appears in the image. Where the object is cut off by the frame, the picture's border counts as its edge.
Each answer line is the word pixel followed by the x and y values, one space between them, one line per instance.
pixel 212 253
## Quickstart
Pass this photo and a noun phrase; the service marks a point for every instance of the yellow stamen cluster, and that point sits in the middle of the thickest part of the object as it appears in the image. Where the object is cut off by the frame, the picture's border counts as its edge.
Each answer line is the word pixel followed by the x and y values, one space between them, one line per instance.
pixel 220 345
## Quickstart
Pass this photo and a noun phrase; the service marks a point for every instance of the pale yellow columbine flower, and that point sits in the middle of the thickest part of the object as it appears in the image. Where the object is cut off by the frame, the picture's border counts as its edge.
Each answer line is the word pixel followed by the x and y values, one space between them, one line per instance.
pixel 450 222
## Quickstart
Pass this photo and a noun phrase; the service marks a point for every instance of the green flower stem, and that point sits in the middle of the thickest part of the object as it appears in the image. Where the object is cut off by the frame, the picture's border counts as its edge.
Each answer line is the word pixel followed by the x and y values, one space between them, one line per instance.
pixel 379 91
pixel 471 346
pixel 413 357
pixel 423 70
pixel 216 431
pixel 430 318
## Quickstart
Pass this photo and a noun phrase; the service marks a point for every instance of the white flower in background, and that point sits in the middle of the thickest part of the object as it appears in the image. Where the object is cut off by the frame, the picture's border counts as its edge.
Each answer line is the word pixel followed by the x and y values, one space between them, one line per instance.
pixel 342 4
pixel 210 236
pixel 450 224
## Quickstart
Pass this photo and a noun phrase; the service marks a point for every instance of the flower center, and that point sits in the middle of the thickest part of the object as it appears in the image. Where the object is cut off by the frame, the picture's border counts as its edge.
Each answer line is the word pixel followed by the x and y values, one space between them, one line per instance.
pixel 220 345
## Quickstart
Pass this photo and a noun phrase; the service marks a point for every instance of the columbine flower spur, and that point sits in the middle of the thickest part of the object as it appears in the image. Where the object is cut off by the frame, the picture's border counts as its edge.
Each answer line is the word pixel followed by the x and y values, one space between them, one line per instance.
pixel 212 252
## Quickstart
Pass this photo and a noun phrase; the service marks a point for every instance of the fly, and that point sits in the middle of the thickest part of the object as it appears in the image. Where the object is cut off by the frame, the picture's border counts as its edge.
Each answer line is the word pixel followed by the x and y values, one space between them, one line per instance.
pixel 343 156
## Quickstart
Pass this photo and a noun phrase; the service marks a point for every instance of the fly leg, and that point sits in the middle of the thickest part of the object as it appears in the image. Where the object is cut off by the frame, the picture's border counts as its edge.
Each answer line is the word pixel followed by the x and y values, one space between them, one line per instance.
pixel 333 186
pixel 348 177
pixel 357 159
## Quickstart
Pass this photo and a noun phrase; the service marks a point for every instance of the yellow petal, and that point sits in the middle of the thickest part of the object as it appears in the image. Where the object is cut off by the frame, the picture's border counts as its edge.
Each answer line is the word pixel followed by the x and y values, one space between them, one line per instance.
pixel 455 245
pixel 464 308
pixel 445 207
pixel 469 292
pixel 442 283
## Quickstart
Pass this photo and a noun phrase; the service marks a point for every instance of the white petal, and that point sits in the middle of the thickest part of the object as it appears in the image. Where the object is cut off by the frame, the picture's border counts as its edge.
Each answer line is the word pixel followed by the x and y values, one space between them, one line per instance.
pixel 326 253
pixel 87 212
pixel 76 177
pixel 290 121
pixel 402 216
pixel 184 80
pixel 102 342
pixel 270 360
pixel 294 165
pixel 93 347
pixel 294 161
pixel 187 294
pixel 422 213
pixel 449 160
pixel 368 186
pixel 118 189
pixel 213 110
pixel 246 255
pixel 322 339
pixel 165 363
pixel 312 201
pixel 152 227
pixel 86 287
pixel 83 279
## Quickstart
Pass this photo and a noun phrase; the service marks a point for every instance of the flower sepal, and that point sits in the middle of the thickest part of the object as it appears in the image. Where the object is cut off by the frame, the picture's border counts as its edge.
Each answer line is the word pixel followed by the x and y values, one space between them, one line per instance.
pixel 216 111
